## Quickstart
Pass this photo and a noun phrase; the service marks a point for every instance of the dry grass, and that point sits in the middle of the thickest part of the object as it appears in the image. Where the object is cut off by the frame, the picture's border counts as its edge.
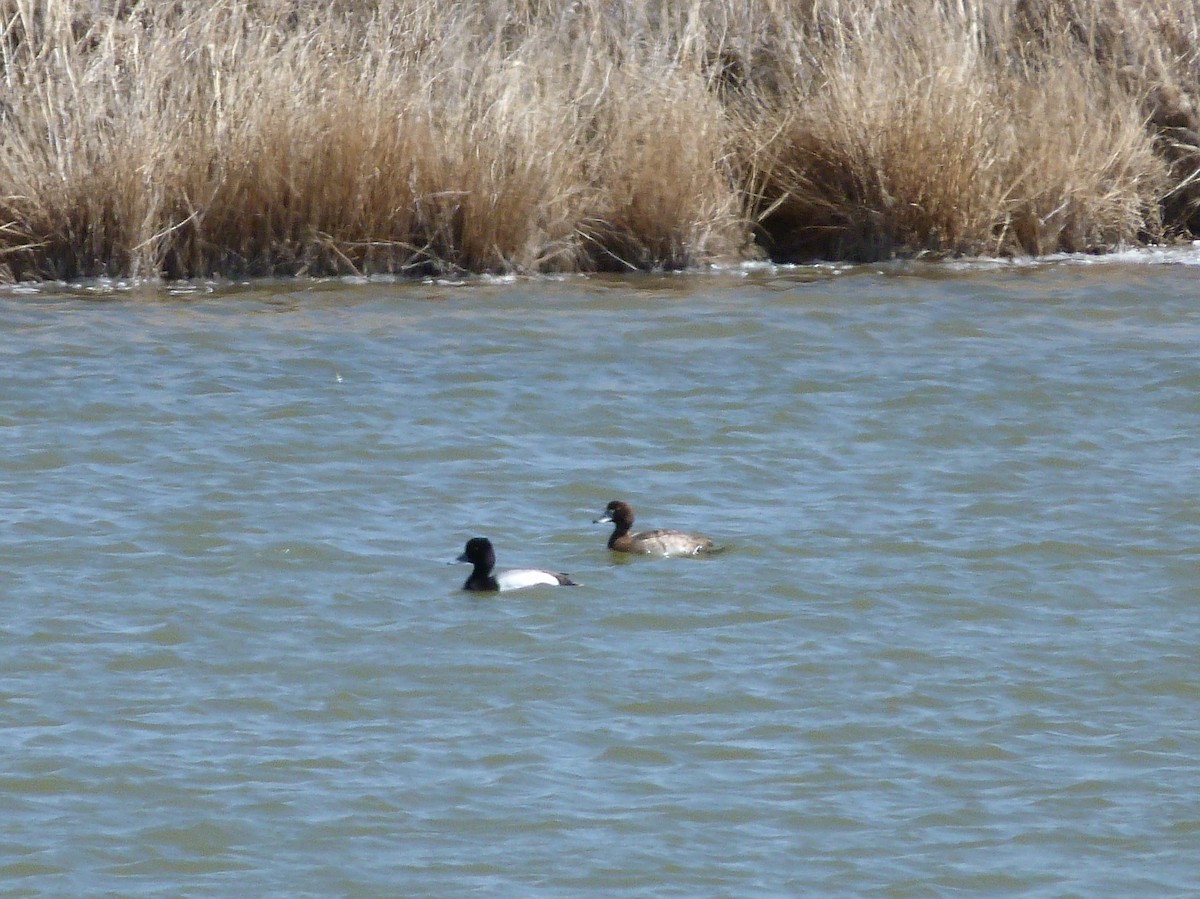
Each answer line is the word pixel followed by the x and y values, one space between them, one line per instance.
pixel 183 139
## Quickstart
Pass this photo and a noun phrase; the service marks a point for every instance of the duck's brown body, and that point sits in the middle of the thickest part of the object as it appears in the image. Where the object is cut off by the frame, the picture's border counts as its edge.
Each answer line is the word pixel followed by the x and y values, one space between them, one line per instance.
pixel 661 542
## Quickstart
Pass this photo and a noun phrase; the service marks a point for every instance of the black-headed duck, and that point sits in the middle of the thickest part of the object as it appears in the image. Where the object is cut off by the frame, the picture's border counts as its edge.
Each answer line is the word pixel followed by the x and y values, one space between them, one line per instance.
pixel 479 553
pixel 661 542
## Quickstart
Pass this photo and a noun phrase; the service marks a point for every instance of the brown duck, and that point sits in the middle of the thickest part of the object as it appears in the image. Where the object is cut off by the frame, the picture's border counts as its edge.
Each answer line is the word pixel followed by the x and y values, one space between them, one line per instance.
pixel 661 542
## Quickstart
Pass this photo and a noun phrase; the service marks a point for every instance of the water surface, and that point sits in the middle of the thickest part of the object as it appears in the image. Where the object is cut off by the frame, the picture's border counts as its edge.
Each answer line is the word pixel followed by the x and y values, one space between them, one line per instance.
pixel 950 649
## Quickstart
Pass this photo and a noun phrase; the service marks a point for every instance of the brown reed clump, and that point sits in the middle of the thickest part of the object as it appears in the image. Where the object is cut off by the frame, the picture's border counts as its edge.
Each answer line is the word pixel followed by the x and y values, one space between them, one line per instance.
pixel 930 131
pixel 182 139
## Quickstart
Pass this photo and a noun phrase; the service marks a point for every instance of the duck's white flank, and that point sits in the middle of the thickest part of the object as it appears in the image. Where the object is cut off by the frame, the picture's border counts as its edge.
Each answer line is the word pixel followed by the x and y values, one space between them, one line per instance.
pixel 525 577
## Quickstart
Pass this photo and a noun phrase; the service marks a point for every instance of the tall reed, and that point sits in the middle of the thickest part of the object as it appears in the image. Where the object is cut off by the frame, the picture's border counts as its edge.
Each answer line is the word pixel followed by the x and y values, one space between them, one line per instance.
pixel 912 131
pixel 182 139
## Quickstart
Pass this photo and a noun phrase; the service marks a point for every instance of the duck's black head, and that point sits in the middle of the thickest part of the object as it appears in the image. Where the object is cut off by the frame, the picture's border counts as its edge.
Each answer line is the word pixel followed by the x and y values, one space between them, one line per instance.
pixel 479 553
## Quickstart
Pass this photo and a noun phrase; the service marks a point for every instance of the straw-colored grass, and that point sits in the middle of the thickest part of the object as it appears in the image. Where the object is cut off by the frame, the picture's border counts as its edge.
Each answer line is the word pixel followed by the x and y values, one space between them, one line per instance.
pixel 910 133
pixel 185 139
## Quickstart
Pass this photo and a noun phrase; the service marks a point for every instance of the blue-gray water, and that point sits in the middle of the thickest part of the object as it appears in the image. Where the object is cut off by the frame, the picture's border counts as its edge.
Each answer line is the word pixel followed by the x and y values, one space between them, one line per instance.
pixel 950 650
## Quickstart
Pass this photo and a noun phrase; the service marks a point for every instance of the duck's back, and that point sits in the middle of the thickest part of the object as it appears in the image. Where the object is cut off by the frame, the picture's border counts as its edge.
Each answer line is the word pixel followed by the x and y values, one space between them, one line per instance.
pixel 665 542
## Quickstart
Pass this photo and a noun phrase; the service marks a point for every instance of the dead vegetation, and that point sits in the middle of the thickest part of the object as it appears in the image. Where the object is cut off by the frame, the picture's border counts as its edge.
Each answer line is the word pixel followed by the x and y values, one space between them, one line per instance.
pixel 252 137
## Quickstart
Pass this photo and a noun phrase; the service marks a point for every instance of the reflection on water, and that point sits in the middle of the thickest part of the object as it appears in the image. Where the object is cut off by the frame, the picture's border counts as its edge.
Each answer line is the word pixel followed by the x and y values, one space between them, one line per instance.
pixel 950 648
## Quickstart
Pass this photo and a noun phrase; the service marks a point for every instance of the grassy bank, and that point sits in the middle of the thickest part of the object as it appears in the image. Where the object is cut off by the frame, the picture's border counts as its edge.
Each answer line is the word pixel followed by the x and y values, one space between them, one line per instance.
pixel 184 139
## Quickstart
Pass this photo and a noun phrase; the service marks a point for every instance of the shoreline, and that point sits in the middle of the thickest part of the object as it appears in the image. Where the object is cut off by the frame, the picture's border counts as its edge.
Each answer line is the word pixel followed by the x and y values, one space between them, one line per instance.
pixel 820 271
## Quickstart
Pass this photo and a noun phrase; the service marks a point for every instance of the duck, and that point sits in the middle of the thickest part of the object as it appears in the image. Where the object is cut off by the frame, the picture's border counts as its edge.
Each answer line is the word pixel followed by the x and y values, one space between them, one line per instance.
pixel 479 552
pixel 661 542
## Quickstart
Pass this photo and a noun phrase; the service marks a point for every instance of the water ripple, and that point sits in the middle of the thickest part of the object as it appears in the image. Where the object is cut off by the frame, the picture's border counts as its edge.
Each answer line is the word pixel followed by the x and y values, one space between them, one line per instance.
pixel 950 648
